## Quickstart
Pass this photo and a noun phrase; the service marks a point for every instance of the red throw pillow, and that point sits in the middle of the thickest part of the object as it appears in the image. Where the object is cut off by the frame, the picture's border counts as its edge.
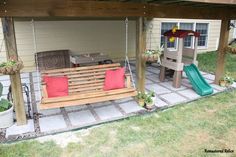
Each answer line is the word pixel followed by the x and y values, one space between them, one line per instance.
pixel 114 79
pixel 56 86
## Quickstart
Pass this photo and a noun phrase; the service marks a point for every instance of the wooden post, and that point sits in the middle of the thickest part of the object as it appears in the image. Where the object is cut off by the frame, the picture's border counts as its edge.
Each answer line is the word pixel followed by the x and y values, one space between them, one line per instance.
pixel 140 48
pixel 224 35
pixel 11 50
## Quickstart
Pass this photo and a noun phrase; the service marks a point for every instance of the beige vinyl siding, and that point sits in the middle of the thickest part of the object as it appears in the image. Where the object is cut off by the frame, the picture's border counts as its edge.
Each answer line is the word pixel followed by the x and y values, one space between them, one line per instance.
pixel 25 44
pixel 2 45
pixel 88 36
pixel 79 37
pixel 213 32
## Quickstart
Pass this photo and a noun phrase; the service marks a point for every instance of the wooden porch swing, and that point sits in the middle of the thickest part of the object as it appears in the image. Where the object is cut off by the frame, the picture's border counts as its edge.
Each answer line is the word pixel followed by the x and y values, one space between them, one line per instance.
pixel 85 84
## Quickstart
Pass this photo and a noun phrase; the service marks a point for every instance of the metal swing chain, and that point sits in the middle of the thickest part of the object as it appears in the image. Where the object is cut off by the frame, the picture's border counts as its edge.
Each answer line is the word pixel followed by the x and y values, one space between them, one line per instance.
pixel 35 52
pixel 150 35
pixel 126 51
pixel 2 44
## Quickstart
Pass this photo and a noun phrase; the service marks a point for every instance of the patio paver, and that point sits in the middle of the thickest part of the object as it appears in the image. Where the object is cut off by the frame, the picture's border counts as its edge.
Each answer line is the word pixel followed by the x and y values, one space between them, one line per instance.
pixel 154 78
pixel 189 93
pixel 74 108
pixel 153 70
pixel 52 123
pixel 50 111
pixel 123 100
pixel 147 81
pixel 160 103
pixel 170 86
pixel 101 104
pixel 217 87
pixel 130 107
pixel 108 112
pixel 209 76
pixel 81 117
pixel 157 89
pixel 148 73
pixel 234 85
pixel 173 98
pixel 209 81
pixel 15 129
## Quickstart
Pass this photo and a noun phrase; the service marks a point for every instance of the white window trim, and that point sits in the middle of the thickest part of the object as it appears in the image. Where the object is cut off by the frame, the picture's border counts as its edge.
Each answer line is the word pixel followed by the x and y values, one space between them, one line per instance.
pixel 189 22
pixel 176 46
pixel 208 33
pixel 234 34
pixel 194 29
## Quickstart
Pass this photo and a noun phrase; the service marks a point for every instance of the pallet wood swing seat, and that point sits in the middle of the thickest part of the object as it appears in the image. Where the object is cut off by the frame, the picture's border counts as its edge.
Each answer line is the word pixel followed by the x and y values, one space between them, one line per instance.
pixel 85 85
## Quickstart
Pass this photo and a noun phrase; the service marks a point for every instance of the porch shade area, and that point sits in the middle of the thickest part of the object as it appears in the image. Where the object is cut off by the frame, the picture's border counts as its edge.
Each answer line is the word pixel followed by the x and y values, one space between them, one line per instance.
pixel 140 10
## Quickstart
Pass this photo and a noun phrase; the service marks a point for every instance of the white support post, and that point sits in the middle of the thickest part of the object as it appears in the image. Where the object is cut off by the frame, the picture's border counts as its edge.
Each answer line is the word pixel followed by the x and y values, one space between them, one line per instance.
pixel 195 52
pixel 180 50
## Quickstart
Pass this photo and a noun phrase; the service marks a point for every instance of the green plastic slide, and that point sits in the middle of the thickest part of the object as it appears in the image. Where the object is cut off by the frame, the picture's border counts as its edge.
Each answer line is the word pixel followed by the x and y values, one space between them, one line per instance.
pixel 198 82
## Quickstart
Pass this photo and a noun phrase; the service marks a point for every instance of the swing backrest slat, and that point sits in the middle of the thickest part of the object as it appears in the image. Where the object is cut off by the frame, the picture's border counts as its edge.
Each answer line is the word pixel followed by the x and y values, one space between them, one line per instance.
pixel 83 79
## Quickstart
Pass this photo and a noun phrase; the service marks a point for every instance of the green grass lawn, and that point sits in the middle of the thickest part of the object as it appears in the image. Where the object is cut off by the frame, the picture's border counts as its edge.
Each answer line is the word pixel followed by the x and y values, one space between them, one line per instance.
pixel 207 62
pixel 185 130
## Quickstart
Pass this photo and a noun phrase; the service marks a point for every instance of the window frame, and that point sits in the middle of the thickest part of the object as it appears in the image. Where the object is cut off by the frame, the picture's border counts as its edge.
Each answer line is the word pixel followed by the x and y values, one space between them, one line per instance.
pixel 194 29
pixel 192 42
pixel 234 33
pixel 177 42
pixel 208 33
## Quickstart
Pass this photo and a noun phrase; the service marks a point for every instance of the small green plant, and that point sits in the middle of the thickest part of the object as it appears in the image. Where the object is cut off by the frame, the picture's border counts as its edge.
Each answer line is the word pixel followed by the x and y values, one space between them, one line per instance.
pixel 8 63
pixel 4 103
pixel 12 66
pixel 153 55
pixel 228 79
pixel 141 95
pixel 158 51
pixel 148 100
pixel 152 93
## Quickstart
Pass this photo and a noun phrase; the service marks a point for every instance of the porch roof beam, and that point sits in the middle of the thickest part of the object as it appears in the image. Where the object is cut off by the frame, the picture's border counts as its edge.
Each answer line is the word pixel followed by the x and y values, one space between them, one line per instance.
pixel 190 12
pixel 72 8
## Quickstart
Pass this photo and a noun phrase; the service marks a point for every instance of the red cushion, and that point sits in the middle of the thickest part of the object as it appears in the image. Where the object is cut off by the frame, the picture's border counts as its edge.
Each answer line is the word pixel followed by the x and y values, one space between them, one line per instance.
pixel 56 86
pixel 114 79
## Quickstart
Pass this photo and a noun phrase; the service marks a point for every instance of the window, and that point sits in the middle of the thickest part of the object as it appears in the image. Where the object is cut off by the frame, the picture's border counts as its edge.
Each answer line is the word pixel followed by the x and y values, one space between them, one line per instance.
pixel 165 26
pixel 234 28
pixel 188 39
pixel 202 28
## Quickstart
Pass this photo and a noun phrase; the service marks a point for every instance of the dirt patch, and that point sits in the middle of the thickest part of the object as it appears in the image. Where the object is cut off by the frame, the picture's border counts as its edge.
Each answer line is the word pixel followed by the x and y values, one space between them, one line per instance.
pixel 193 139
pixel 62 139
pixel 230 140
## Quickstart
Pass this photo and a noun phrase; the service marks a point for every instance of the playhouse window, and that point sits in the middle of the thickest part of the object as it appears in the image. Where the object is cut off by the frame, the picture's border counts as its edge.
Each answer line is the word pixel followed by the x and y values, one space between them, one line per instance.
pixel 202 28
pixel 165 26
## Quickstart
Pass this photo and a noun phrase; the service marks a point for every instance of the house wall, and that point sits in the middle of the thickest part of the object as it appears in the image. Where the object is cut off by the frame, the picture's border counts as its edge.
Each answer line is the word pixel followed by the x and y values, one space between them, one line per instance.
pixel 87 36
pixel 213 32
pixel 79 37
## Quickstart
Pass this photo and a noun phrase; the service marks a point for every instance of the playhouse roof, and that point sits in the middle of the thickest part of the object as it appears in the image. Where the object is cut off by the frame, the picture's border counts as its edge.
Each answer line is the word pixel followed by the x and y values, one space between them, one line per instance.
pixel 181 33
